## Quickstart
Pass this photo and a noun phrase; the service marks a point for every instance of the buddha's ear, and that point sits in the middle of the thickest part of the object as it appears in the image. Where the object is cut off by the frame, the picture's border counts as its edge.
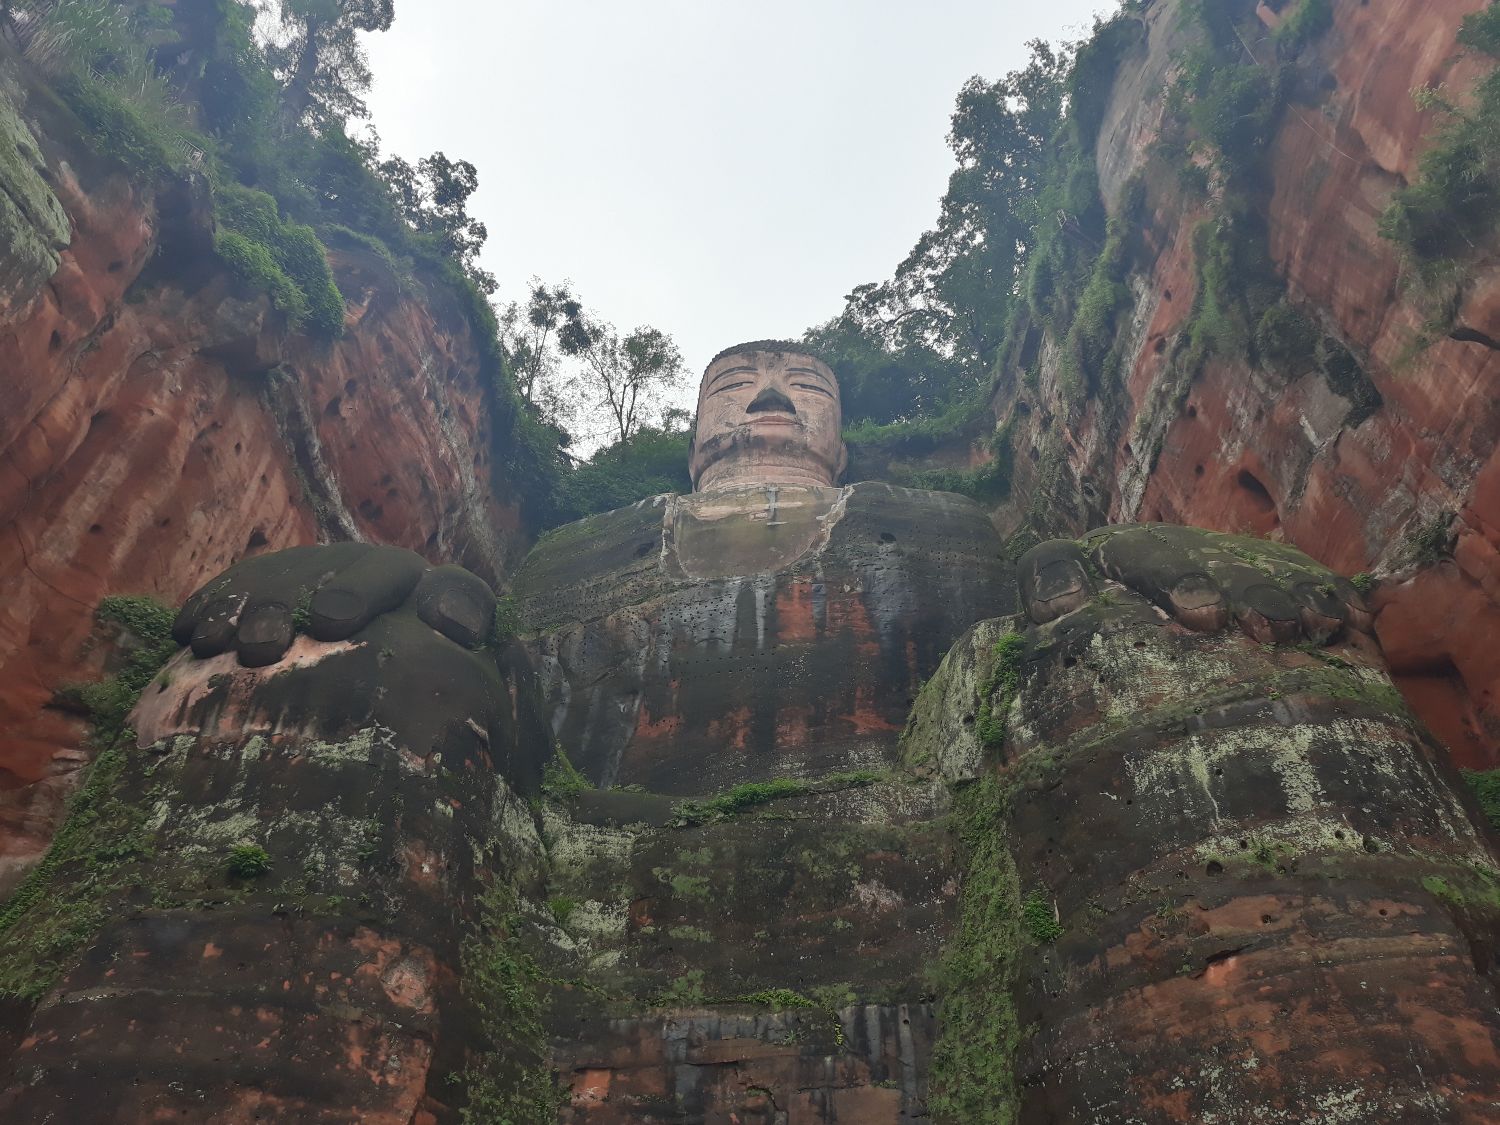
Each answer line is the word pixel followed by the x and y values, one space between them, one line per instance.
pixel 838 474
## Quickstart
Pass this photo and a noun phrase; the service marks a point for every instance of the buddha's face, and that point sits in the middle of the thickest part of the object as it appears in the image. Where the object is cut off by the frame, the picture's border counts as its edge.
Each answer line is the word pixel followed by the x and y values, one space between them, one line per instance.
pixel 767 417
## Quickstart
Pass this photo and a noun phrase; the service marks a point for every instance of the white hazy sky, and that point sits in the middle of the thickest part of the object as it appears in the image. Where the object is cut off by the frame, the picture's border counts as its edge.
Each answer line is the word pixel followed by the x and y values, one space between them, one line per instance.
pixel 722 171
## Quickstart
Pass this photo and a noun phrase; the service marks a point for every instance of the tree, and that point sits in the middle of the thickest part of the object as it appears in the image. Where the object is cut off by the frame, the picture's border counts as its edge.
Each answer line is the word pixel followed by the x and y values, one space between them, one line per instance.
pixel 433 197
pixel 324 70
pixel 530 335
pixel 930 335
pixel 627 376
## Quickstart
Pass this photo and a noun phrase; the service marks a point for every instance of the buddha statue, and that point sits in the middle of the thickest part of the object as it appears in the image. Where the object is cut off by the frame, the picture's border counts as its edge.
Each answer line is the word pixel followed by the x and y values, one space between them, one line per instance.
pixel 772 621
pixel 767 806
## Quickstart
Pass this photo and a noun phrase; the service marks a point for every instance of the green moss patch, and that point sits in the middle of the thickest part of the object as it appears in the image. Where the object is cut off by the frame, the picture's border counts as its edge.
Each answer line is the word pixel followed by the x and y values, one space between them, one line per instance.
pixel 1486 787
pixel 508 1080
pixel 753 794
pixel 68 897
pixel 998 694
pixel 973 1061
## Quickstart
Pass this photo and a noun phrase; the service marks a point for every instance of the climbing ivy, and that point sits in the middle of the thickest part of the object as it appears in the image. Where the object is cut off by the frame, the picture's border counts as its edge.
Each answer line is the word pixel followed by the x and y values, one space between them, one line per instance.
pixel 1004 680
pixel 508 1081
pixel 973 1059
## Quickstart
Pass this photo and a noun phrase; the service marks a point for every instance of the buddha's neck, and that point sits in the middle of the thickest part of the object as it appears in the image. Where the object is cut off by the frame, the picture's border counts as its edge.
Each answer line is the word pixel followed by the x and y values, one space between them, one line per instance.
pixel 761 474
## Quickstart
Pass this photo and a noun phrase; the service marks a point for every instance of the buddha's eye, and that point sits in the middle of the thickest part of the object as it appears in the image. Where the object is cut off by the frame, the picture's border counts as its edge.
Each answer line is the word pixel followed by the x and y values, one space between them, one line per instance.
pixel 811 387
pixel 727 387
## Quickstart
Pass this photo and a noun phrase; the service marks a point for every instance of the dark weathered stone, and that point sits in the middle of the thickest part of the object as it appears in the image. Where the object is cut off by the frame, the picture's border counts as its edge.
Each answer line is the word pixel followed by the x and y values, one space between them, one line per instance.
pixel 373 775
pixel 1249 885
pixel 691 643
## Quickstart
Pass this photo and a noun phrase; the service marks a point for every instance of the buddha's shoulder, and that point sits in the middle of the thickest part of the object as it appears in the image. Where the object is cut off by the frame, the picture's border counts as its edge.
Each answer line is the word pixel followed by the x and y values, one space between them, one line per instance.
pixel 599 551
pixel 916 518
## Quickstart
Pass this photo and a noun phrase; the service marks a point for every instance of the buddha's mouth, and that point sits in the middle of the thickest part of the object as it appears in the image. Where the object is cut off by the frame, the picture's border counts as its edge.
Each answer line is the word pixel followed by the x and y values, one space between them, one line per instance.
pixel 767 418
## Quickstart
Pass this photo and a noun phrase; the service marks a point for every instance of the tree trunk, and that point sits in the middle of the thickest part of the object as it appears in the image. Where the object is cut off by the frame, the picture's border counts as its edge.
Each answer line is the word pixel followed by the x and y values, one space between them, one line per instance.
pixel 298 94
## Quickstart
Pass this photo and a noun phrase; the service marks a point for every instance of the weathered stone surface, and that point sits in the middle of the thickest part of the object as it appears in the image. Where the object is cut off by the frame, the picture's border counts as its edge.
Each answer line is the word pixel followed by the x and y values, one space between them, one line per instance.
pixel 754 633
pixel 146 443
pixel 1249 884
pixel 371 772
pixel 767 414
pixel 1289 454
pixel 712 962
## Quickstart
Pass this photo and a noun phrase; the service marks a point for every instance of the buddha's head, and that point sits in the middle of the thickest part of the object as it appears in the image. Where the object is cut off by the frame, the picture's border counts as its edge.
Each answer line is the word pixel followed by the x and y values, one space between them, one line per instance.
pixel 767 414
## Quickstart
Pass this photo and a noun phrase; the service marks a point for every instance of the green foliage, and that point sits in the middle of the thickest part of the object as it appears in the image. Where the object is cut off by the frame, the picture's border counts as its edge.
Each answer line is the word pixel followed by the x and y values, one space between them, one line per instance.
pixel 247 861
pixel 1444 219
pixel 684 992
pixel 507 622
pixel 121 129
pixel 161 89
pixel 752 794
pixel 1231 102
pixel 989 481
pixel 1004 680
pixel 742 797
pixel 1486 786
pixel 69 895
pixel 149 645
pixel 1039 919
pixel 1430 542
pixel 99 52
pixel 973 1059
pixel 651 462
pixel 1474 889
pixel 1363 582
pixel 281 258
pixel 302 612
pixel 1303 23
pixel 1284 337
pixel 1022 202
pixel 560 780
pixel 1090 341
pixel 1091 78
pixel 562 908
pixel 508 1081
pixel 777 999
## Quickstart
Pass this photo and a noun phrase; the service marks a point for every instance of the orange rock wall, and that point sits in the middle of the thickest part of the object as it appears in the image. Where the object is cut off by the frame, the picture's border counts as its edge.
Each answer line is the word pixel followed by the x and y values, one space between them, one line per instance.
pixel 1248 450
pixel 156 424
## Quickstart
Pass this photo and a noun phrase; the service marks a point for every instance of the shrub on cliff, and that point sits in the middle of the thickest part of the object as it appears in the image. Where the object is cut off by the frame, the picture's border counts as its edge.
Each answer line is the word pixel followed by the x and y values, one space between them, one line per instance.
pixel 1446 217
pixel 653 461
pixel 284 259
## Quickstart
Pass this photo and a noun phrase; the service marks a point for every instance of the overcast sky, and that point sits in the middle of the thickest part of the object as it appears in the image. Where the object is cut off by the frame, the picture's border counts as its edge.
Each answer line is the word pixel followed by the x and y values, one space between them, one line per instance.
pixel 722 171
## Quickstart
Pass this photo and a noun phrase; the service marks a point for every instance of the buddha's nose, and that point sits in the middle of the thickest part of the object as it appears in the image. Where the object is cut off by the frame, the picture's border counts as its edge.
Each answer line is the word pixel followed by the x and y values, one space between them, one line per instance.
pixel 771 399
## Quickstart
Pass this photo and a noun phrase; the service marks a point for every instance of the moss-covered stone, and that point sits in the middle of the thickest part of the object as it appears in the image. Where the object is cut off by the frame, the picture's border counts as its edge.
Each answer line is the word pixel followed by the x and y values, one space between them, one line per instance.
pixel 33 225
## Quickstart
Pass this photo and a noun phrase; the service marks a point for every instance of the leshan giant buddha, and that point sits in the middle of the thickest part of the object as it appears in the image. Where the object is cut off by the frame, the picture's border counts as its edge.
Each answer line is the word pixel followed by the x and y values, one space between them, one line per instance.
pixel 770 623
pixel 1163 847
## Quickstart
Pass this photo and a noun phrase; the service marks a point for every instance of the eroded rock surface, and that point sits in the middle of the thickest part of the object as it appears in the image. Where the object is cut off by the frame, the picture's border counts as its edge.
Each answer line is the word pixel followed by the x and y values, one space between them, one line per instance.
pixel 278 903
pixel 1246 882
pixel 1148 849
pixel 157 423
pixel 690 643
pixel 1352 458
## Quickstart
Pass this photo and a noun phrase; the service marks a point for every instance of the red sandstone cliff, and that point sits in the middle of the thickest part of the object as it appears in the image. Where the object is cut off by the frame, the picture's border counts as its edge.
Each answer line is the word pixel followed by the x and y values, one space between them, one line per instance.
pixel 1286 455
pixel 157 423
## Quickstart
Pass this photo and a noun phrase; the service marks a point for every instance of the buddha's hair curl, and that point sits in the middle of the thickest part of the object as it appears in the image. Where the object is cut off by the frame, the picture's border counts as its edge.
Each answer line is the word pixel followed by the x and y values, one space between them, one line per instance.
pixel 779 347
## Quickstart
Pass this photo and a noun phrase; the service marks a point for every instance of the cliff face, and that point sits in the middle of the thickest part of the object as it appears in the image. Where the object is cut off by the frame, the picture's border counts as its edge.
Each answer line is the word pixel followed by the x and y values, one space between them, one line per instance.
pixel 1360 464
pixel 157 422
